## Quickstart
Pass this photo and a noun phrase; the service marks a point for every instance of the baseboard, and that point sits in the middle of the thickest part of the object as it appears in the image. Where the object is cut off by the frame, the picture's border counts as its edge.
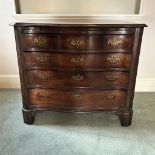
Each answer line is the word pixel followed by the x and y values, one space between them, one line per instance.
pixel 9 81
pixel 145 85
pixel 142 84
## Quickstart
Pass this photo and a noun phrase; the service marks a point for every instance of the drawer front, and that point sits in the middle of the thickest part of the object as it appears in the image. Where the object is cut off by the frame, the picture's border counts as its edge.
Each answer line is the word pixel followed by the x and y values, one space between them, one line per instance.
pixel 77 79
pixel 42 41
pixel 76 29
pixel 38 59
pixel 90 99
pixel 75 41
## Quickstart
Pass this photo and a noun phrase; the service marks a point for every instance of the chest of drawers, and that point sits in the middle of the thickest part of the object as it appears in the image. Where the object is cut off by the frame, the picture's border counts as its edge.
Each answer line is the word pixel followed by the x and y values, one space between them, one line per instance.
pixel 78 67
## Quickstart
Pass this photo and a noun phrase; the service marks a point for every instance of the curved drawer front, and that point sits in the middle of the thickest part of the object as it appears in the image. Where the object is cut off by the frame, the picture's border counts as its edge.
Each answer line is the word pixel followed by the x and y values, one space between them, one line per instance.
pixel 91 99
pixel 75 41
pixel 42 41
pixel 48 78
pixel 38 59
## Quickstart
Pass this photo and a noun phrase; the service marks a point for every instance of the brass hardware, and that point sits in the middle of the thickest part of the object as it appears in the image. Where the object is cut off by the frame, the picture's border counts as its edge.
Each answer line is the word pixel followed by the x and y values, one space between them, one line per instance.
pixel 40 41
pixel 76 95
pixel 109 95
pixel 41 59
pixel 77 42
pixel 44 94
pixel 115 42
pixel 111 77
pixel 43 76
pixel 77 77
pixel 77 60
pixel 113 59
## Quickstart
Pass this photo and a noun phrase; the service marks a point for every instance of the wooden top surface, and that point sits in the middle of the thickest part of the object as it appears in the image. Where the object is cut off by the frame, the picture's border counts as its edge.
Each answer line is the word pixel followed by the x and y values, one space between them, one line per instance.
pixel 79 25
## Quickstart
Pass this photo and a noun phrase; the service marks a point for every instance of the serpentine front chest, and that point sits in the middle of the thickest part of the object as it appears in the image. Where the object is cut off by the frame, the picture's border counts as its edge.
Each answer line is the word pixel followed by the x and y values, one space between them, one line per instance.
pixel 78 67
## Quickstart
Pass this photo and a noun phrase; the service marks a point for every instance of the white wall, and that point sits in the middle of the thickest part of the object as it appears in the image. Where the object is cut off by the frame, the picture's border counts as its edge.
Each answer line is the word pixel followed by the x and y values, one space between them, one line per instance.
pixel 79 6
pixel 8 58
pixel 146 69
pixel 147 59
pixel 8 61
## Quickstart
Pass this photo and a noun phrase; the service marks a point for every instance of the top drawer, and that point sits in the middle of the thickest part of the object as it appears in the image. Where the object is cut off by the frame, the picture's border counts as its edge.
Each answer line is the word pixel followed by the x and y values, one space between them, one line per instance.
pixel 104 42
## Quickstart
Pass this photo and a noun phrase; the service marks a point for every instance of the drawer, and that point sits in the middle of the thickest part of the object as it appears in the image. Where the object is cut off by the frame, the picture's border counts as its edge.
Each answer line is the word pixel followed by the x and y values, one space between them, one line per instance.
pixel 76 41
pixel 76 29
pixel 62 60
pixel 89 99
pixel 83 79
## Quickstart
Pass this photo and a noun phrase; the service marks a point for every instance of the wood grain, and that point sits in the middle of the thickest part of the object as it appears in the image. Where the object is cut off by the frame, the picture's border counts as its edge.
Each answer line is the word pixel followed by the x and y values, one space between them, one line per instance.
pixel 60 60
pixel 47 78
pixel 76 41
pixel 80 98
pixel 78 67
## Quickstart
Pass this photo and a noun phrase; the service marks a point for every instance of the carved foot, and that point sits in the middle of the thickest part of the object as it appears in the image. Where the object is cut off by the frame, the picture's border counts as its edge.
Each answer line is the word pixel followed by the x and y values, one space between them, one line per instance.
pixel 126 118
pixel 28 116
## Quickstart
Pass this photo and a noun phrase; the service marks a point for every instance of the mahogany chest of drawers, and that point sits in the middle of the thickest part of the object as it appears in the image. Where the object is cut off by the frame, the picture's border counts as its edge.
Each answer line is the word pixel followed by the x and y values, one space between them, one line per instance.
pixel 78 67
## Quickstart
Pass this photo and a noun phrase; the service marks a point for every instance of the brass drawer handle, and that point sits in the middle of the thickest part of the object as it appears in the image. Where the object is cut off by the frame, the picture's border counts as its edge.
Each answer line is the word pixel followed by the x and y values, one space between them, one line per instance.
pixel 113 59
pixel 43 76
pixel 40 41
pixel 110 95
pixel 115 42
pixel 41 59
pixel 111 77
pixel 77 42
pixel 77 60
pixel 44 94
pixel 76 95
pixel 77 77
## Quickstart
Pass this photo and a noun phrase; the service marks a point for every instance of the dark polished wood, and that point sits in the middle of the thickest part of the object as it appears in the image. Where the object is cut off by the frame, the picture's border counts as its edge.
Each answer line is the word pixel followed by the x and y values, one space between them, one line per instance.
pixel 28 116
pixel 76 41
pixel 78 68
pixel 91 99
pixel 126 118
pixel 39 78
pixel 71 29
pixel 113 27
pixel 67 60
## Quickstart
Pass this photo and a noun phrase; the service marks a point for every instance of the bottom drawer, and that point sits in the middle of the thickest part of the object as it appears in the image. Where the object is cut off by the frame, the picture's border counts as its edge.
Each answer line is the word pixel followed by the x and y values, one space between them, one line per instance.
pixel 90 99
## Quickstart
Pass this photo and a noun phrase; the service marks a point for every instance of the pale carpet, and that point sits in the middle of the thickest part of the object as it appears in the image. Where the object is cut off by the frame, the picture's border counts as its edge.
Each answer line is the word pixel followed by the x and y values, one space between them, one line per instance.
pixel 76 134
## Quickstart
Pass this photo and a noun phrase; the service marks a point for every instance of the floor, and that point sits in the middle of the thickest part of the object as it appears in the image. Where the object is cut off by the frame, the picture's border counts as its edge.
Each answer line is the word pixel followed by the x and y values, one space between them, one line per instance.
pixel 76 134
